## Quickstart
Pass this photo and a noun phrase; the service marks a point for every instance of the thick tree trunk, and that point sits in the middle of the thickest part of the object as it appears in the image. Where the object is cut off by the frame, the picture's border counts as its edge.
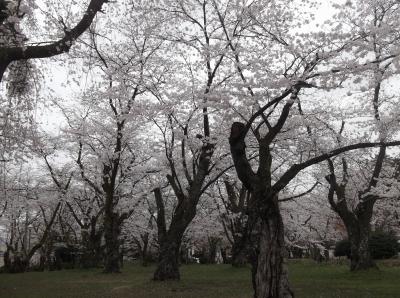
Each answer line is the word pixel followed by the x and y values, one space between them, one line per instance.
pixel 112 244
pixel 360 255
pixel 168 263
pixel 358 226
pixel 92 254
pixel 170 241
pixel 245 245
pixel 357 220
pixel 271 275
pixel 91 257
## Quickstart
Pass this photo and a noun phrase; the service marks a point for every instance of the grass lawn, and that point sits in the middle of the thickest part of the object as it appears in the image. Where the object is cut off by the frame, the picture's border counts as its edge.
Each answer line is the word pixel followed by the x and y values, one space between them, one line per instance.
pixel 201 281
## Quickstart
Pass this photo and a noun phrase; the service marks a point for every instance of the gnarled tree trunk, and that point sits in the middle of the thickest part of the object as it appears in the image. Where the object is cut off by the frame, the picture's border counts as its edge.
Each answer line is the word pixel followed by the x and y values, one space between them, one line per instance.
pixel 170 240
pixel 168 262
pixel 357 222
pixel 360 255
pixel 359 234
pixel 271 275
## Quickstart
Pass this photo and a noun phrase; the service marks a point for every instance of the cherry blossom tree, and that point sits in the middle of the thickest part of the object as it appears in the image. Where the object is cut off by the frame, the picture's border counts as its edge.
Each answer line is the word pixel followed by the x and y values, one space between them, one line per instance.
pixel 190 140
pixel 303 69
pixel 35 204
pixel 374 23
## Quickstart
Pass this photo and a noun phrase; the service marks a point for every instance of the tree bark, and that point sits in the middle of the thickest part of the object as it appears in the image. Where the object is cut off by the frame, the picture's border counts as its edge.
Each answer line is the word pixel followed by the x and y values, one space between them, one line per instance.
pixel 112 244
pixel 244 243
pixel 271 275
pixel 239 255
pixel 92 253
pixel 170 240
pixel 168 262
pixel 358 230
pixel 360 255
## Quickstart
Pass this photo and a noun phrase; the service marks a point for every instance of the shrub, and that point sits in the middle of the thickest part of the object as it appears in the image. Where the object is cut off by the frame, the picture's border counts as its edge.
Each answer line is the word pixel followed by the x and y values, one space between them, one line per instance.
pixel 342 248
pixel 383 245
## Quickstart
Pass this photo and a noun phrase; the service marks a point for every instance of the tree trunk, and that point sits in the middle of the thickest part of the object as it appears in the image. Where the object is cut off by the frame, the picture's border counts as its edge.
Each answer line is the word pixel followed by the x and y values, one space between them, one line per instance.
pixel 239 253
pixel 245 245
pixel 240 250
pixel 144 252
pixel 91 257
pixel 14 263
pixel 360 255
pixel 168 262
pixel 92 251
pixel 170 241
pixel 111 254
pixel 213 243
pixel 358 226
pixel 271 275
pixel 357 220
pixel 3 67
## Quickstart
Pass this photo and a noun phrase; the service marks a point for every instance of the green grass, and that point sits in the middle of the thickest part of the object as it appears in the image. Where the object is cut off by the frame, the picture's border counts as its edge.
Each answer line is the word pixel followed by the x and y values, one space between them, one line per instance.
pixel 201 281
pixel 324 280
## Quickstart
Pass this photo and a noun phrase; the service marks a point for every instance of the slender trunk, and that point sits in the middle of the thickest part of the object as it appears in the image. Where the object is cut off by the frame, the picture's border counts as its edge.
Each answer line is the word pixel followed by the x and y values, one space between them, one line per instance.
pixel 168 262
pixel 271 275
pixel 14 263
pixel 3 67
pixel 239 255
pixel 224 256
pixel 145 248
pixel 42 263
pixel 97 248
pixel 213 243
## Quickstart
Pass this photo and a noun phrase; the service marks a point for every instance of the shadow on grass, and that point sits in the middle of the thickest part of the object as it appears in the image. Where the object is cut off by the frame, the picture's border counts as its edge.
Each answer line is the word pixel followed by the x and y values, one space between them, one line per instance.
pixel 199 281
